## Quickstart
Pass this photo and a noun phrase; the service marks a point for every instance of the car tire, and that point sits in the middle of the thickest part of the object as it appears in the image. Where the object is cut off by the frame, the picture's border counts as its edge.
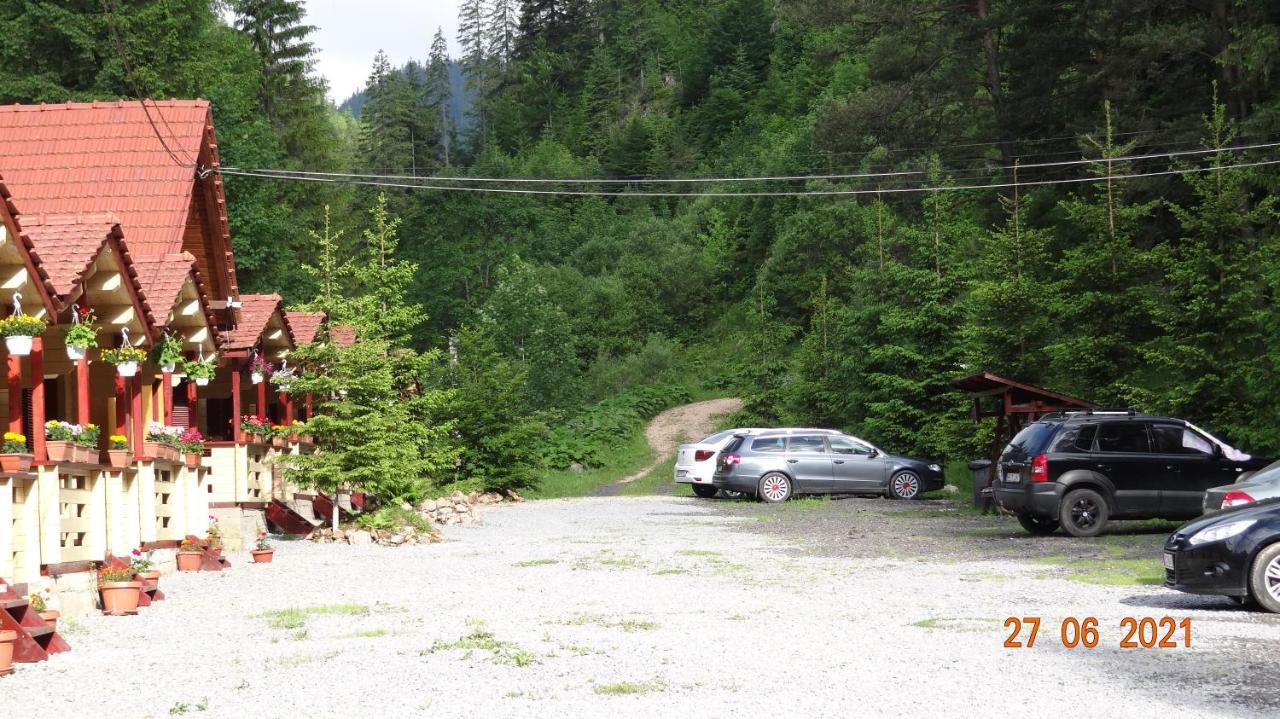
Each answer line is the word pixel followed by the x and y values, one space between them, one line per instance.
pixel 905 485
pixel 705 491
pixel 774 487
pixel 1083 513
pixel 732 494
pixel 1038 526
pixel 1264 579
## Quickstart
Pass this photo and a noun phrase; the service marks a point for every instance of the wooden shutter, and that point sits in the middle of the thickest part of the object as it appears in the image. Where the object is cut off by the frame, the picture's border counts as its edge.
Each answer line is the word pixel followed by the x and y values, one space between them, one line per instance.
pixel 28 418
pixel 181 411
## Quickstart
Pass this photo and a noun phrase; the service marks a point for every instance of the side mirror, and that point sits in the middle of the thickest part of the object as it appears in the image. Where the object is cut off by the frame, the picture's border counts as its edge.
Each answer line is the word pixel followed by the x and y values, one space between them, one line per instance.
pixel 874 453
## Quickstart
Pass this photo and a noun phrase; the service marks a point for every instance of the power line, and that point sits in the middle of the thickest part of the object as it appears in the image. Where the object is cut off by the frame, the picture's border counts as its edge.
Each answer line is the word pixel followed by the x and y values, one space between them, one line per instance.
pixel 752 193
pixel 692 180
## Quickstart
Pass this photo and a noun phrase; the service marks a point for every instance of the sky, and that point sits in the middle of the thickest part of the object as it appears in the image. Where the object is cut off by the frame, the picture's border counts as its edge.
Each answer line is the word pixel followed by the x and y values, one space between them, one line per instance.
pixel 350 32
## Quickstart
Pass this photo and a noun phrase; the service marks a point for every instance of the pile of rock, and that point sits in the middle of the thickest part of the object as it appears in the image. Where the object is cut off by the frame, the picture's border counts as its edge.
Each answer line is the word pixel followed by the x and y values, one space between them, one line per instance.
pixel 386 537
pixel 459 508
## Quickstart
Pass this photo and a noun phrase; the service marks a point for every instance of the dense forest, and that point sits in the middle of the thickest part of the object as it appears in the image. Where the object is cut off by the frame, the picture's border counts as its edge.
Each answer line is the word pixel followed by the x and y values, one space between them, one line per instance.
pixel 971 236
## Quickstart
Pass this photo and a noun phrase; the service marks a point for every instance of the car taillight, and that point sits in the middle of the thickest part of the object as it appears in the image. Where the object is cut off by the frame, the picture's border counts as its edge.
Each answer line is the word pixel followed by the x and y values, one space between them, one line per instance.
pixel 1235 499
pixel 731 459
pixel 1040 469
pixel 702 455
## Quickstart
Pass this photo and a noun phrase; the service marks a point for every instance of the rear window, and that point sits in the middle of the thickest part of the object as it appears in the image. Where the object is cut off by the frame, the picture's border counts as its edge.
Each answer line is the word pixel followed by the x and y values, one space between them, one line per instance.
pixel 1175 439
pixel 1075 438
pixel 1123 437
pixel 769 444
pixel 716 438
pixel 1032 437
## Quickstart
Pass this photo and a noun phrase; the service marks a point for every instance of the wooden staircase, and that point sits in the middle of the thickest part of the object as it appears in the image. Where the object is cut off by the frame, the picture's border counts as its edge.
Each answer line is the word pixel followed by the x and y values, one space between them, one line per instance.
pixel 37 639
pixel 287 520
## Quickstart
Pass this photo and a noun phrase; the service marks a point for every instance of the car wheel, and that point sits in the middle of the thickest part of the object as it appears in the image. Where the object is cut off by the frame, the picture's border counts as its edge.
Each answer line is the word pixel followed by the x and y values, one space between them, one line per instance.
pixel 775 487
pixel 904 485
pixel 1039 526
pixel 706 491
pixel 1264 579
pixel 1083 513
pixel 732 494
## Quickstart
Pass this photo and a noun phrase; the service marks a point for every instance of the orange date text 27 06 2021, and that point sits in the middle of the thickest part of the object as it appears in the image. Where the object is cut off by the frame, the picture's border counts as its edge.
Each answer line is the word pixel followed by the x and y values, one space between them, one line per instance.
pixel 1086 633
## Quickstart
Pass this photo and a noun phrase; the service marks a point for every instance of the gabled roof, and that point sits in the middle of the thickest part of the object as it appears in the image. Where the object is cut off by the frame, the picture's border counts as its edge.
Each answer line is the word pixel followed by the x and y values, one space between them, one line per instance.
pixel 66 246
pixel 162 279
pixel 343 335
pixel 39 277
pixel 79 158
pixel 255 313
pixel 305 325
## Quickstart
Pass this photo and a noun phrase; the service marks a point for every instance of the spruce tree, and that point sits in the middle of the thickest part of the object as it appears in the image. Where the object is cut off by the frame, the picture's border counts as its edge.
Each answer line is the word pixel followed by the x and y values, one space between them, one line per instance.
pixel 276 31
pixel 502 26
pixel 440 95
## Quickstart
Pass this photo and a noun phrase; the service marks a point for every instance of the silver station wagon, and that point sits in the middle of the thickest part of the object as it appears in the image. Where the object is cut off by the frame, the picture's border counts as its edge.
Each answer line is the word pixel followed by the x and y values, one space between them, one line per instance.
pixel 775 464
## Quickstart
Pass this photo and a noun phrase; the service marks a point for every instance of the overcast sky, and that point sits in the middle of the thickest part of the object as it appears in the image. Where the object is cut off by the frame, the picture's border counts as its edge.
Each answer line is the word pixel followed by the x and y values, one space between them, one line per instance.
pixel 350 32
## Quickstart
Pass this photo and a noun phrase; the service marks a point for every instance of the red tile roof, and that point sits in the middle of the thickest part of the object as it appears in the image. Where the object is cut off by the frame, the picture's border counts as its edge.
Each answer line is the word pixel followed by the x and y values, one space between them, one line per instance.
pixel 80 158
pixel 40 277
pixel 162 278
pixel 255 313
pixel 66 246
pixel 305 325
pixel 343 335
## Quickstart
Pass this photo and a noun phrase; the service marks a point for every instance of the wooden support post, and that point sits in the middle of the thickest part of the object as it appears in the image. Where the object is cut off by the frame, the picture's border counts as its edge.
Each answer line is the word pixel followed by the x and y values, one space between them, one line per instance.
pixel 122 414
pixel 287 403
pixel 193 417
pixel 307 407
pixel 13 367
pixel 82 391
pixel 236 410
pixel 135 408
pixel 262 398
pixel 166 390
pixel 37 399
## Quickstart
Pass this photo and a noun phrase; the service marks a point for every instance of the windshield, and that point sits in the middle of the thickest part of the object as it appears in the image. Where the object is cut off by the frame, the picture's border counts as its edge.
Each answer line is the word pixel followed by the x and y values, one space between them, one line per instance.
pixel 1032 438
pixel 717 438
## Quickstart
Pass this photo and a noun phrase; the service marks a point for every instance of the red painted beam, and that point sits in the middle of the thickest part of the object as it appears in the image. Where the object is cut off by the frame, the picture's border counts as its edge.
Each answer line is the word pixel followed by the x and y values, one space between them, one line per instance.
pixel 13 368
pixel 82 390
pixel 37 399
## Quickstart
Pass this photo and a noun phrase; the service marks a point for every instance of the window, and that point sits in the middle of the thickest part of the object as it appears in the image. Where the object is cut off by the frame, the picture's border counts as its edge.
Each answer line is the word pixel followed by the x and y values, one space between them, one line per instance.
pixel 844 445
pixel 1032 437
pixel 1173 439
pixel 716 438
pixel 1078 438
pixel 1123 437
pixel 768 444
pixel 807 443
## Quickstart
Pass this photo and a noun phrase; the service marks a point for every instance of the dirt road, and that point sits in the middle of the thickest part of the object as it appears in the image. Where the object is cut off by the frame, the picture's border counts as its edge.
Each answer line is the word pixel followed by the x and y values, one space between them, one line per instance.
pixel 670 429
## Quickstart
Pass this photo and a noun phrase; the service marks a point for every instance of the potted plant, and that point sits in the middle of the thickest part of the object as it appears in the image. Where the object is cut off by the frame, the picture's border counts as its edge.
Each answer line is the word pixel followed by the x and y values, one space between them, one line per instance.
pixel 161 442
pixel 119 591
pixel 87 443
pixel 40 605
pixel 59 442
pixel 125 359
pixel 168 353
pixel 258 369
pixel 81 336
pixel 15 457
pixel 256 427
pixel 18 331
pixel 298 432
pixel 190 555
pixel 262 551
pixel 144 568
pixel 283 377
pixel 279 435
pixel 119 456
pixel 200 372
pixel 192 443
pixel 214 538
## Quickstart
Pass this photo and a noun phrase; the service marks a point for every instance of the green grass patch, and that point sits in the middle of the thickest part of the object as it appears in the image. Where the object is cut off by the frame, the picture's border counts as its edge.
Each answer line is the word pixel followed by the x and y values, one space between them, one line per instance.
pixel 806 503
pixel 699 553
pixel 930 623
pixel 391 517
pixel 669 571
pixel 1111 572
pixel 298 660
pixel 536 563
pixel 481 639
pixel 624 688
pixel 369 633
pixel 296 617
pixel 626 625
pixel 660 477
pixel 632 454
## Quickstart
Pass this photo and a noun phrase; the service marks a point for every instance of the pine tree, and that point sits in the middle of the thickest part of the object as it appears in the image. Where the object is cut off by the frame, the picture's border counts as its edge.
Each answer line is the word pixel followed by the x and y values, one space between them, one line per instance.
pixel 502 25
pixel 440 95
pixel 396 134
pixel 472 37
pixel 276 31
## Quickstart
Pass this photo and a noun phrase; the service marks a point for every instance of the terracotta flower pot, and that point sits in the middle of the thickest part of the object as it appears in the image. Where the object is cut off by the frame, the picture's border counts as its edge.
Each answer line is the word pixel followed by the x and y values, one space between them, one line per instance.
pixel 263 556
pixel 150 579
pixel 86 454
pixel 7 638
pixel 119 598
pixel 16 462
pixel 193 460
pixel 189 561
pixel 51 617
pixel 119 458
pixel 60 450
pixel 277 442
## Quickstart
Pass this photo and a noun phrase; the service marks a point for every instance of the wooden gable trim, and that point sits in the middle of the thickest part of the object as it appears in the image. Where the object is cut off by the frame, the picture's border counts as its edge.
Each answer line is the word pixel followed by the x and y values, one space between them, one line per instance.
pixel 38 277
pixel 115 240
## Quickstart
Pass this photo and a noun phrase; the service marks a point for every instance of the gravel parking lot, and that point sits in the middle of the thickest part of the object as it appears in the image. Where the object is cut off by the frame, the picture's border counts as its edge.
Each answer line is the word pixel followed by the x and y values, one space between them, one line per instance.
pixel 634 607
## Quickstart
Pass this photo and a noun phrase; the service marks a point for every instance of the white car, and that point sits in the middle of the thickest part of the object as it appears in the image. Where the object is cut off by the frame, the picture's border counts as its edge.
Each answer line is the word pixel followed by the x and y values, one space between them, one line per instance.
pixel 696 463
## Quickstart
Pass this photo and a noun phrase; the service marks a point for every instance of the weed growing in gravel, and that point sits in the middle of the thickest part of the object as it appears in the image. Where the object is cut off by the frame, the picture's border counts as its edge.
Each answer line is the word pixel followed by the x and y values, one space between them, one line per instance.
pixel 296 617
pixel 801 504
pixel 536 562
pixel 737 617
pixel 671 570
pixel 298 660
pixel 369 633
pixel 482 639
pixel 1111 572
pixel 699 553
pixel 579 650
pixel 608 559
pixel 626 625
pixel 182 707
pixel 298 636
pixel 621 688
pixel 930 623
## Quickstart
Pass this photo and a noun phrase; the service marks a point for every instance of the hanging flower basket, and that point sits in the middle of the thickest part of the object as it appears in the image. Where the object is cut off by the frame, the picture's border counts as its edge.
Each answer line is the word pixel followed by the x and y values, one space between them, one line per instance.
pixel 199 372
pixel 19 331
pixel 168 353
pixel 125 359
pixel 256 377
pixel 75 354
pixel 81 336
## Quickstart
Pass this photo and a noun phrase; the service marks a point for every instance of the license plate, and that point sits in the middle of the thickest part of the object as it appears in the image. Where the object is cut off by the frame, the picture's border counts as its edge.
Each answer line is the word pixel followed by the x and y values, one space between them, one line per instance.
pixel 1168 560
pixel 1012 478
pixel 682 472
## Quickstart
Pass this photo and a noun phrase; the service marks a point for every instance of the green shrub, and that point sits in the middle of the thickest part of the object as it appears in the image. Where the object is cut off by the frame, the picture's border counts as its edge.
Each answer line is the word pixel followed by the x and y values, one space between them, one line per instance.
pixel 393 517
pixel 589 437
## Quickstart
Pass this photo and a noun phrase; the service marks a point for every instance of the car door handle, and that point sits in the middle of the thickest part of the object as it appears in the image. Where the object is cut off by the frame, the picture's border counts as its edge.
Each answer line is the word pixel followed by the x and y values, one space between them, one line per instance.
pixel 792 461
pixel 839 461
pixel 1103 467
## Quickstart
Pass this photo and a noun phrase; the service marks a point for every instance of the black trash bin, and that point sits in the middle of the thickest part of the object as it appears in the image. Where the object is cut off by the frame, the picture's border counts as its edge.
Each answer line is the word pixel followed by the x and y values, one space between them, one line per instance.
pixel 981 470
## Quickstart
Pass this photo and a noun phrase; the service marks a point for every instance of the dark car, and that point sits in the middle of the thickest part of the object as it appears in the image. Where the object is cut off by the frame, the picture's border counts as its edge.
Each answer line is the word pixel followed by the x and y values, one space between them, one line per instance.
pixel 774 465
pixel 1076 470
pixel 1234 553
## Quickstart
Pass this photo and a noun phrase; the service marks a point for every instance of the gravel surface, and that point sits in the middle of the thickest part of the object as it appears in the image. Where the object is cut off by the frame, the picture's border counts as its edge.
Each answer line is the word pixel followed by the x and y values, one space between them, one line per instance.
pixel 641 607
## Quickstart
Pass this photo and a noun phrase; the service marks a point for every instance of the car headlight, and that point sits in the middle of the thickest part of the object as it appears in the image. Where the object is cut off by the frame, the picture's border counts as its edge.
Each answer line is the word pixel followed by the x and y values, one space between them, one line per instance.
pixel 935 468
pixel 1221 532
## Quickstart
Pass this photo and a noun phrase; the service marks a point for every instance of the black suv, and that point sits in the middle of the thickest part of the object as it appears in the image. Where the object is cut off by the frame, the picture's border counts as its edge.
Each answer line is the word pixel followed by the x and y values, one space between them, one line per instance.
pixel 1076 470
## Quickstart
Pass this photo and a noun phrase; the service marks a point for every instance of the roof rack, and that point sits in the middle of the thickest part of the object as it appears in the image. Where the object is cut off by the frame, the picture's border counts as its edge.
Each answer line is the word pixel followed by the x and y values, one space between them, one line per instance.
pixel 1104 411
